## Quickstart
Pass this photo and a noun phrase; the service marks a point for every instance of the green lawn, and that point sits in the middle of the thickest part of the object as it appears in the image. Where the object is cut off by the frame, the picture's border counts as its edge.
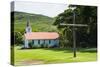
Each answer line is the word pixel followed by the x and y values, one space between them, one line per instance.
pixel 53 55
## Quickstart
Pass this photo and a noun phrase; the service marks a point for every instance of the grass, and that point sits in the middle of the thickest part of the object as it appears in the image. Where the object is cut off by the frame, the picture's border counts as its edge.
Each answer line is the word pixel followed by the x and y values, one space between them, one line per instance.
pixel 54 55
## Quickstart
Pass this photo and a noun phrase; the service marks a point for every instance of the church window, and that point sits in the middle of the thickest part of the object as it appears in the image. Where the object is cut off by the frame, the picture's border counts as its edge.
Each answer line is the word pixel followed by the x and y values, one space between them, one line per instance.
pixel 49 41
pixel 32 41
pixel 38 41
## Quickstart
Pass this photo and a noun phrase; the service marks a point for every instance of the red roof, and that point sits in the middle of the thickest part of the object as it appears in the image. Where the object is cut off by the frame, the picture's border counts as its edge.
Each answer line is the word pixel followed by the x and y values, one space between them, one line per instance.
pixel 41 35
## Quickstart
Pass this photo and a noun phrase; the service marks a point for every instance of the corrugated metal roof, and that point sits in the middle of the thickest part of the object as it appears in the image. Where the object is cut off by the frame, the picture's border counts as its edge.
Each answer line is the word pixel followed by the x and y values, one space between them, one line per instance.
pixel 41 35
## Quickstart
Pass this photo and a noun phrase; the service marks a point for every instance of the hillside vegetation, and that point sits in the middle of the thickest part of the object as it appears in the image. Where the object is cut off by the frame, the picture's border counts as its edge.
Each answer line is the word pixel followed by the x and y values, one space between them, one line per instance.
pixel 38 22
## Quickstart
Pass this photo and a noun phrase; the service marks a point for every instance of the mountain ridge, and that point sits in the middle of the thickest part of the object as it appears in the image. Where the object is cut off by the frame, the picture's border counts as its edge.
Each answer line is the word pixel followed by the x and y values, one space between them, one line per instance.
pixel 38 22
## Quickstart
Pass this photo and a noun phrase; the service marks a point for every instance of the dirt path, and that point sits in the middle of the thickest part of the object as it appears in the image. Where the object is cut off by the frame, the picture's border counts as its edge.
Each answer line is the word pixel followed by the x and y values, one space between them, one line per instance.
pixel 30 62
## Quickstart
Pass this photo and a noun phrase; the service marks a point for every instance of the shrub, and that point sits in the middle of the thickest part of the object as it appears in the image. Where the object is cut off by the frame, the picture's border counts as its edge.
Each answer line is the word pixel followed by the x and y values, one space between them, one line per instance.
pixel 18 38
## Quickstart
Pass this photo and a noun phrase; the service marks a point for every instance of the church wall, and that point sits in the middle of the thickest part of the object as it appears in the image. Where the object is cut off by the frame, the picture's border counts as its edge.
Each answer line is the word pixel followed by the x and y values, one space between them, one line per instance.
pixel 45 42
pixel 26 44
pixel 35 42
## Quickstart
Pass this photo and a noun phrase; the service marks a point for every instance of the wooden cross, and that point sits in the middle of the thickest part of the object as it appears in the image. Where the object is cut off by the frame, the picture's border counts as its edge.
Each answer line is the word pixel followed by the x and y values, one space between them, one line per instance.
pixel 74 32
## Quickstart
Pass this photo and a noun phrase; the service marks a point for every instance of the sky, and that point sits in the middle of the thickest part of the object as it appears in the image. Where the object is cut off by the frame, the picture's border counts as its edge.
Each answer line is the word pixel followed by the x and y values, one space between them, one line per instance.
pixel 47 9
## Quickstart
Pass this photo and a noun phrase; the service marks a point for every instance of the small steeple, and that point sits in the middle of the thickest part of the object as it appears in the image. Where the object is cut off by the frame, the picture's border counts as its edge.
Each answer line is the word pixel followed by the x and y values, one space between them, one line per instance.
pixel 28 22
pixel 28 27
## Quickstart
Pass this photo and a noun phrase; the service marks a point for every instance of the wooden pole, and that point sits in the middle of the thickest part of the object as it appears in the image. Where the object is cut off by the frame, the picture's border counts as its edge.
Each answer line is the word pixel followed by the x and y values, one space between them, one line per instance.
pixel 74 36
pixel 74 32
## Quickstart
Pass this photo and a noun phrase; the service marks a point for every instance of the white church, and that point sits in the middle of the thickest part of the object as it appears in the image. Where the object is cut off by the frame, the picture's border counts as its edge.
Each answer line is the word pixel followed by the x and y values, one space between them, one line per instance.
pixel 39 39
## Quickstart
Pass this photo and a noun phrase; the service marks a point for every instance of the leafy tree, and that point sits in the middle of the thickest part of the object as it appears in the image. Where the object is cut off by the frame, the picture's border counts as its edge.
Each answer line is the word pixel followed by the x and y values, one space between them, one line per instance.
pixel 86 37
pixel 18 39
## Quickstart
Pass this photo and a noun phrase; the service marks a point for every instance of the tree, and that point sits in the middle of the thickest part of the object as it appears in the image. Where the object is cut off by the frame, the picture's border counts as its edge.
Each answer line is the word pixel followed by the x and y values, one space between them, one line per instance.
pixel 87 37
pixel 18 38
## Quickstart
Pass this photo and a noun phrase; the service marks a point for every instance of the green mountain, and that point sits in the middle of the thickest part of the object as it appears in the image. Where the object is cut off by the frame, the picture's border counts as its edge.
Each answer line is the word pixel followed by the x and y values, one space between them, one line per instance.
pixel 38 22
